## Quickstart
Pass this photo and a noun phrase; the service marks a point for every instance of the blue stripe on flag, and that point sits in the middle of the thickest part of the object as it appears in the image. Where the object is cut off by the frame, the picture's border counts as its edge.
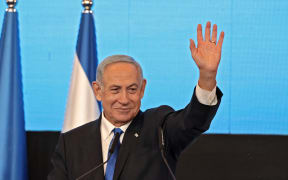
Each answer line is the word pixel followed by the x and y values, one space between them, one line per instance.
pixel 85 64
pixel 13 155
pixel 86 46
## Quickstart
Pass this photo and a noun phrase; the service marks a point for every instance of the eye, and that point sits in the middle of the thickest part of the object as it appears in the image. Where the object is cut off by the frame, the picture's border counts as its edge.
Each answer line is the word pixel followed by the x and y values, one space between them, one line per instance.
pixel 132 90
pixel 114 90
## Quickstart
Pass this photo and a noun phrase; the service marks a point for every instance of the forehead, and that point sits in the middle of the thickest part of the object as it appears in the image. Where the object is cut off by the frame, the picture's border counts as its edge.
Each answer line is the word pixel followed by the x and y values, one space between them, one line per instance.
pixel 121 72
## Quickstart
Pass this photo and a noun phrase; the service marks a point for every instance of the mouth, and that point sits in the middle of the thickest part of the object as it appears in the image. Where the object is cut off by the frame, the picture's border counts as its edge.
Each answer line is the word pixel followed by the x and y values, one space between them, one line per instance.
pixel 123 109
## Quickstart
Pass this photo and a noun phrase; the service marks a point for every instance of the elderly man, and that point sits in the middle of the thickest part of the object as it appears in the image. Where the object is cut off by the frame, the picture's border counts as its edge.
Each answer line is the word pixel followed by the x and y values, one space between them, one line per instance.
pixel 136 154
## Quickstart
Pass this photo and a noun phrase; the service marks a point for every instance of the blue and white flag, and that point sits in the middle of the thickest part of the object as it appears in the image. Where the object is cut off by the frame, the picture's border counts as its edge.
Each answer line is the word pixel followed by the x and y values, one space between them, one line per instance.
pixel 82 106
pixel 13 153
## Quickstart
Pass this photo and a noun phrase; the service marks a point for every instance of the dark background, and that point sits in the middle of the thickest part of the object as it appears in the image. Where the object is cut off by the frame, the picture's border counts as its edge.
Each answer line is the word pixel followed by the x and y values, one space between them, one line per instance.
pixel 212 157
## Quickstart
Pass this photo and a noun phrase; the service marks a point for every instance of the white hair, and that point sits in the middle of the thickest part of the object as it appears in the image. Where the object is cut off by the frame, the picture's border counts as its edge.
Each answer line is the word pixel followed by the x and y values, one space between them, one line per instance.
pixel 115 59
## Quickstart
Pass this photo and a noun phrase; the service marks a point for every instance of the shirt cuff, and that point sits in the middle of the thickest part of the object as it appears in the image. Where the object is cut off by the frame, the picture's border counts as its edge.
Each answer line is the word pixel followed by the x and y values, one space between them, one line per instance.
pixel 206 97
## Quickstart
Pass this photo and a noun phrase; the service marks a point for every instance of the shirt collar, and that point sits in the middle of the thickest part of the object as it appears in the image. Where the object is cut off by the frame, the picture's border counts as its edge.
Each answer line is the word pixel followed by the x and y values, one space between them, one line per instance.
pixel 108 127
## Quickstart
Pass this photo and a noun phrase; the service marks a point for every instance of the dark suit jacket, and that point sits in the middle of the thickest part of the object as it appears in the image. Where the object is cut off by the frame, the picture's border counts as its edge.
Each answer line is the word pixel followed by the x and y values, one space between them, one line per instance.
pixel 79 150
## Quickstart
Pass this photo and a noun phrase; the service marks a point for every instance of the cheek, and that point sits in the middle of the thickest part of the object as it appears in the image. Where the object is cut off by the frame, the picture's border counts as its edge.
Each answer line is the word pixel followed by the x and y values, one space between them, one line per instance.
pixel 136 99
pixel 108 100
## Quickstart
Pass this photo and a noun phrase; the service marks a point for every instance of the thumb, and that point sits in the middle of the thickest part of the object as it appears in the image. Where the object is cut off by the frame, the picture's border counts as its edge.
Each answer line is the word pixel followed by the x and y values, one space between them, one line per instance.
pixel 193 48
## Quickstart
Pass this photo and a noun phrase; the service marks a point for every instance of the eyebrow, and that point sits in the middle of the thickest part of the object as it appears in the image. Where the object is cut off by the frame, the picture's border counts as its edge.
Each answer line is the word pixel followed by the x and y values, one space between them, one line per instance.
pixel 117 86
pixel 134 84
pixel 113 86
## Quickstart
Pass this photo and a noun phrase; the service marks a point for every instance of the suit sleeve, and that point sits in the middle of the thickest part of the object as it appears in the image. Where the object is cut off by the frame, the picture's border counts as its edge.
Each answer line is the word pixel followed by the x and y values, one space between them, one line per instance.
pixel 58 160
pixel 184 126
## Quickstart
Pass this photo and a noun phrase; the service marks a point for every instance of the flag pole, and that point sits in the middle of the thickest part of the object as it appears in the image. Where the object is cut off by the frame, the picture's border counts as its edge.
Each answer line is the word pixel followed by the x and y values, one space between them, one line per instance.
pixel 11 5
pixel 87 4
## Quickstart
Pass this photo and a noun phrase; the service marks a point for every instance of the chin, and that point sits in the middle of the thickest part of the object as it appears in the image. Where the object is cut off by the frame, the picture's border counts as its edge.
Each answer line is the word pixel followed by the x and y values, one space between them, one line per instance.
pixel 124 119
pixel 121 122
pixel 123 115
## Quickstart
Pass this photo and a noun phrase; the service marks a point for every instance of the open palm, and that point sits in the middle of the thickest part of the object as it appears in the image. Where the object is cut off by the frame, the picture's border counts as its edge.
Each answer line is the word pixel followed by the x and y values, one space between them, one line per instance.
pixel 207 54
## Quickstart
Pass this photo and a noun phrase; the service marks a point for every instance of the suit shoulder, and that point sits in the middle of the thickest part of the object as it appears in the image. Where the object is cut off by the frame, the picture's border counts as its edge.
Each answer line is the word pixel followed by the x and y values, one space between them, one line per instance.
pixel 160 113
pixel 160 109
pixel 84 130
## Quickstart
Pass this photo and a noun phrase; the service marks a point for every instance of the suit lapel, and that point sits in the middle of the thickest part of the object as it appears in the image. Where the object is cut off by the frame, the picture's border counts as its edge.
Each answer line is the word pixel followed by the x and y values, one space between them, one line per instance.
pixel 99 173
pixel 130 141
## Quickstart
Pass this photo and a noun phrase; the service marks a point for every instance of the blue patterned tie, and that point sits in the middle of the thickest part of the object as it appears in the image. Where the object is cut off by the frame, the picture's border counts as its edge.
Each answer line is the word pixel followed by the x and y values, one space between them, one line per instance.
pixel 112 161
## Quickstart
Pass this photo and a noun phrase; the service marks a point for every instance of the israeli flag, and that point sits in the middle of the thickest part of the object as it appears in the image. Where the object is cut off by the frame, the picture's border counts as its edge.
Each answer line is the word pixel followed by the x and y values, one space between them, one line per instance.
pixel 82 106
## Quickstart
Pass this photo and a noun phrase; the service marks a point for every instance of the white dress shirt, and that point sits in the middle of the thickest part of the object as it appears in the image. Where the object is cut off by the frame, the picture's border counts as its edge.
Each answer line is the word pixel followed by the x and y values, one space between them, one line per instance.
pixel 107 135
pixel 205 97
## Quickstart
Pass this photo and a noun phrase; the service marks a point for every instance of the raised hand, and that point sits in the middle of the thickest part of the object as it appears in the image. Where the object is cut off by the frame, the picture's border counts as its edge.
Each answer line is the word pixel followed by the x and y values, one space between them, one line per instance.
pixel 207 55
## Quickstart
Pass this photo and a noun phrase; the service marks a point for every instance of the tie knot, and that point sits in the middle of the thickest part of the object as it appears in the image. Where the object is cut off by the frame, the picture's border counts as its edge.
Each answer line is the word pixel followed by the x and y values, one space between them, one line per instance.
pixel 117 130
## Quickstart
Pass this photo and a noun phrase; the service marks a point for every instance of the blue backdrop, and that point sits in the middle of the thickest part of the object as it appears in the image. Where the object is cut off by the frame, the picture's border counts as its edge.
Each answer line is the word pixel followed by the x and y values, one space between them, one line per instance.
pixel 252 73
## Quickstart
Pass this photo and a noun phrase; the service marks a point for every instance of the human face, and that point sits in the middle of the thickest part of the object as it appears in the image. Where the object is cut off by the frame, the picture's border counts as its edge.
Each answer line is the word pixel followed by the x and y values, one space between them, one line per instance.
pixel 121 92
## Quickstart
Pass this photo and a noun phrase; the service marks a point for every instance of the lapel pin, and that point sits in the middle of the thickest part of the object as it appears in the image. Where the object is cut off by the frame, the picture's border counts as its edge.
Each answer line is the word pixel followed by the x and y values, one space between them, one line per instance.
pixel 136 135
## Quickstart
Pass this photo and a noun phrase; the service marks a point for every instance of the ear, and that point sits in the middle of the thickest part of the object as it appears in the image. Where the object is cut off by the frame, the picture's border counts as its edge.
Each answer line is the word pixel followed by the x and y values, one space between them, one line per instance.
pixel 144 81
pixel 97 90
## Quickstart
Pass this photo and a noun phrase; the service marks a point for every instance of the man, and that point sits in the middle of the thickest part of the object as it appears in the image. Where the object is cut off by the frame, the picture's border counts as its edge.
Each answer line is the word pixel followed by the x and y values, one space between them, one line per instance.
pixel 120 87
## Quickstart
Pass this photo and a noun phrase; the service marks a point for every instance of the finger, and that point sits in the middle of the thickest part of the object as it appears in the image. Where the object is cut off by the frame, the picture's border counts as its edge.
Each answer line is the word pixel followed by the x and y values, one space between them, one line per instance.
pixel 220 41
pixel 214 33
pixel 193 48
pixel 207 31
pixel 199 33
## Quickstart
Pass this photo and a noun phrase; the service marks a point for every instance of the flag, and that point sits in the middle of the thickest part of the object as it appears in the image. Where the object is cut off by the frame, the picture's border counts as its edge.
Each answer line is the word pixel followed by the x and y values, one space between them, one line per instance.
pixel 13 153
pixel 82 106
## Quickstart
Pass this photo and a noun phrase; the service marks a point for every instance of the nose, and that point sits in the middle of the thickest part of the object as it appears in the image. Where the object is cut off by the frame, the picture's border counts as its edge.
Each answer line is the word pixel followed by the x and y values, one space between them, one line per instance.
pixel 123 99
